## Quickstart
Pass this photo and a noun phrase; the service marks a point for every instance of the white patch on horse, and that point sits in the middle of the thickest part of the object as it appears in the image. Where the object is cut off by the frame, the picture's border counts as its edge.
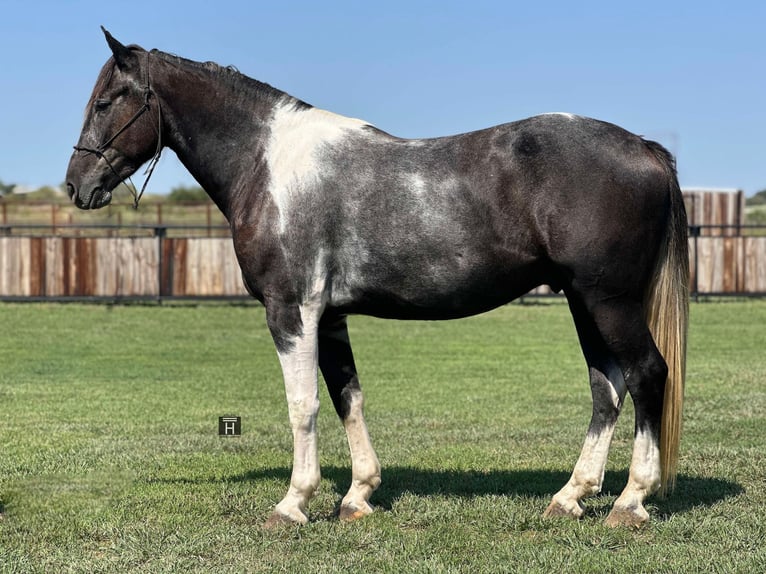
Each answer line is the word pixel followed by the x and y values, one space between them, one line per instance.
pixel 292 150
pixel 566 115
pixel 417 184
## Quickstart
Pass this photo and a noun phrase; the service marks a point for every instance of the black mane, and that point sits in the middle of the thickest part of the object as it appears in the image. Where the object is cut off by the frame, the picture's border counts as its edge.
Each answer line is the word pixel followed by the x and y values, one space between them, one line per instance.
pixel 232 75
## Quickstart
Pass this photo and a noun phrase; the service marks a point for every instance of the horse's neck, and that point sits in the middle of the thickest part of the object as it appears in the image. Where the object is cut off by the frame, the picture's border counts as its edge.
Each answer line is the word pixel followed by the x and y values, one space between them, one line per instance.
pixel 217 130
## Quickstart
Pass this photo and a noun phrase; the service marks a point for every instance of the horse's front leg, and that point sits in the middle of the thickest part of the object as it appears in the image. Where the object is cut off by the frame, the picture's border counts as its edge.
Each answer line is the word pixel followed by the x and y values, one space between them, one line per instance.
pixel 337 363
pixel 294 329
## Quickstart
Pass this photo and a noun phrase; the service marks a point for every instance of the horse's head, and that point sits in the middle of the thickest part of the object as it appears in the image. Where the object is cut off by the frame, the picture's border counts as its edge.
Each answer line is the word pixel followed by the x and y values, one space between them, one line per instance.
pixel 121 130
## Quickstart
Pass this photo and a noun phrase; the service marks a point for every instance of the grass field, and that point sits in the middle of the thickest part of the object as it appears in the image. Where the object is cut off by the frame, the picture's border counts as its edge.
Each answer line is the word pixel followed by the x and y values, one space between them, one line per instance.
pixel 110 459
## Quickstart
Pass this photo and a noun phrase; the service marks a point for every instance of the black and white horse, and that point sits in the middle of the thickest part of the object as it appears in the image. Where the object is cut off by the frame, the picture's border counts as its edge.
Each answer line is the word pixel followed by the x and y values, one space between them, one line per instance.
pixel 331 216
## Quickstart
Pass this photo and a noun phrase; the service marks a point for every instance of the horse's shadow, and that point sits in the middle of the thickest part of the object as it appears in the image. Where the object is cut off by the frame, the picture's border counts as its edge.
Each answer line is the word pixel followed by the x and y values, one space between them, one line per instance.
pixel 690 492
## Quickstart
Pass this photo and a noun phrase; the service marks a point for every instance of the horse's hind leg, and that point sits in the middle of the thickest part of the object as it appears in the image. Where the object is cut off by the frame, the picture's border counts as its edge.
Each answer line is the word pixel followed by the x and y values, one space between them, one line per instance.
pixel 622 324
pixel 337 363
pixel 608 390
pixel 623 330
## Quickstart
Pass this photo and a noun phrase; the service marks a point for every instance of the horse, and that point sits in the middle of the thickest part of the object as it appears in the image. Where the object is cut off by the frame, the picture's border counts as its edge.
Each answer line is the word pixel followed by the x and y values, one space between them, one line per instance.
pixel 331 216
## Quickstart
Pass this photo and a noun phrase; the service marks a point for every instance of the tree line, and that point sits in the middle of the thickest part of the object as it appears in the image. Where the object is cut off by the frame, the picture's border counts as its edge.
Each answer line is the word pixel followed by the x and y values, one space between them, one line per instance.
pixel 178 194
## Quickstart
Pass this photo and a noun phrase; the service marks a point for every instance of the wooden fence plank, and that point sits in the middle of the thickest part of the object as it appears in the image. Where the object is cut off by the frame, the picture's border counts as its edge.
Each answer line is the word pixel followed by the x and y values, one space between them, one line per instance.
pixel 37 267
pixel 755 263
pixel 53 262
pixel 5 243
pixel 728 253
pixel 180 269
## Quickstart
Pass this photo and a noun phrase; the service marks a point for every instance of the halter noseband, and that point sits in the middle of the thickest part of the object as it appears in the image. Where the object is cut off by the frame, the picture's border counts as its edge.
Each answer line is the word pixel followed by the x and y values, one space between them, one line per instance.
pixel 99 151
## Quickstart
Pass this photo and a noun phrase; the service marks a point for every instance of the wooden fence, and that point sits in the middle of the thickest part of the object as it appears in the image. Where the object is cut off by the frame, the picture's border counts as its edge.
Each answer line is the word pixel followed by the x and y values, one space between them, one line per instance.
pixel 715 212
pixel 118 267
pixel 728 265
pixel 159 266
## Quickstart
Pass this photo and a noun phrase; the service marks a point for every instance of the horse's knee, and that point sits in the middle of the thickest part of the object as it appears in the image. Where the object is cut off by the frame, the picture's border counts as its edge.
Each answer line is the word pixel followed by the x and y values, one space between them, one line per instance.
pixel 303 414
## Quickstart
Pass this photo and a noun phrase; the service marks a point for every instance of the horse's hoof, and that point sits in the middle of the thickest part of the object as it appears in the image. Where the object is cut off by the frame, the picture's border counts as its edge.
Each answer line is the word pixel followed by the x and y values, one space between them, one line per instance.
pixel 279 520
pixel 557 510
pixel 352 513
pixel 631 517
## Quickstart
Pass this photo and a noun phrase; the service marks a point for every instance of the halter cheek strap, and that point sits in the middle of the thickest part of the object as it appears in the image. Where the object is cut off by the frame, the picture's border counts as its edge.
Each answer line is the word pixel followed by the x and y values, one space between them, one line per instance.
pixel 99 151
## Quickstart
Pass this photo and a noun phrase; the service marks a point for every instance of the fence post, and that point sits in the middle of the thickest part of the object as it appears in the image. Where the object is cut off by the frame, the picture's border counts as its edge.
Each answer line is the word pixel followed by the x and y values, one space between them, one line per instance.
pixel 695 231
pixel 160 232
pixel 6 230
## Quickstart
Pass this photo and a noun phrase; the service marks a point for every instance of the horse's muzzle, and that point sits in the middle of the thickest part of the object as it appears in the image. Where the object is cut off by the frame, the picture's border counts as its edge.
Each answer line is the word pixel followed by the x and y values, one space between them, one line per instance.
pixel 94 198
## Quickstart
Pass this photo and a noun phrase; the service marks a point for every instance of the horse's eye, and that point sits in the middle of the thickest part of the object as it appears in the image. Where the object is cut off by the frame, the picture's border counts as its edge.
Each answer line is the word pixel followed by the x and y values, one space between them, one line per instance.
pixel 101 105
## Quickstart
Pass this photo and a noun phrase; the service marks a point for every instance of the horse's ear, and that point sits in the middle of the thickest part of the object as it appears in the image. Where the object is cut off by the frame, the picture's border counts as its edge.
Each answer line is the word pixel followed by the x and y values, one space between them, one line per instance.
pixel 123 56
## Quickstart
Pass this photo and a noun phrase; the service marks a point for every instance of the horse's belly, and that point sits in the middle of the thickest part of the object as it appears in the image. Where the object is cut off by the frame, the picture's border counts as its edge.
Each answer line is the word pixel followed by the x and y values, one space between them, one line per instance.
pixel 433 294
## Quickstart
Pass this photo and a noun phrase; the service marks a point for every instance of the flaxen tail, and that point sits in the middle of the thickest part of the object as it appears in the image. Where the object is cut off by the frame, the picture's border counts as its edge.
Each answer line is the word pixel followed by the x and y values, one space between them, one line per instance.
pixel 667 314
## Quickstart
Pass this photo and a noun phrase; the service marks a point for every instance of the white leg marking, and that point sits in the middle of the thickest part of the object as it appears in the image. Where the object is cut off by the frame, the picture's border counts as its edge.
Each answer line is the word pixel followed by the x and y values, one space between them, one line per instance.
pixel 588 474
pixel 299 366
pixel 365 468
pixel 644 479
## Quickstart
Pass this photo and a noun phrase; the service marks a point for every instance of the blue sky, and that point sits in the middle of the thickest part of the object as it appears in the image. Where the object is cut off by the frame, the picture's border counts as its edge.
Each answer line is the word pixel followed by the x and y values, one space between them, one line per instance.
pixel 691 75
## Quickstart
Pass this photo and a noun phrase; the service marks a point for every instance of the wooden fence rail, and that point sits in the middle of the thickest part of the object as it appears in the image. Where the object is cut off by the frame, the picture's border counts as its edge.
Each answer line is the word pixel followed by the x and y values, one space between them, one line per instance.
pixel 159 266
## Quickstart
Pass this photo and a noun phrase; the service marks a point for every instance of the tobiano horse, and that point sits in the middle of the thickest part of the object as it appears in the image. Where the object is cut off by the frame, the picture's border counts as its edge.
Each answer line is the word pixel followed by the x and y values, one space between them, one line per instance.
pixel 332 217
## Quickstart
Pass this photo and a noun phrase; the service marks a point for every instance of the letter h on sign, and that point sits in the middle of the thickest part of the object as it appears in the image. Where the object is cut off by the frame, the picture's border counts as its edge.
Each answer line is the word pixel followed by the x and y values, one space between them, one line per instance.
pixel 229 426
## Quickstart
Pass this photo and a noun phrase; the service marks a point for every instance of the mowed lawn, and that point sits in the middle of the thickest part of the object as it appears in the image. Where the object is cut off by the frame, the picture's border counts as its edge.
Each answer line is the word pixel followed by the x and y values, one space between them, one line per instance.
pixel 110 459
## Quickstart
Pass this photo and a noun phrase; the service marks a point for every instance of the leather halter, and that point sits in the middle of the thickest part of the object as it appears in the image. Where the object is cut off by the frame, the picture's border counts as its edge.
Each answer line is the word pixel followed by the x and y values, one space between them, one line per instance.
pixel 100 150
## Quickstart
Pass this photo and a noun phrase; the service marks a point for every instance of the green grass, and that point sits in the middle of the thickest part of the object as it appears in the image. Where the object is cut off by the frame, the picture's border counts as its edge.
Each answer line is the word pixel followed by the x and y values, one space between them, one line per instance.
pixel 110 461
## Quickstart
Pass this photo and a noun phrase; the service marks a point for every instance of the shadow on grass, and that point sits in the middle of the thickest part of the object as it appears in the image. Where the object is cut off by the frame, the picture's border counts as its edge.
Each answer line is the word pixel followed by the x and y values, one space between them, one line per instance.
pixel 691 491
